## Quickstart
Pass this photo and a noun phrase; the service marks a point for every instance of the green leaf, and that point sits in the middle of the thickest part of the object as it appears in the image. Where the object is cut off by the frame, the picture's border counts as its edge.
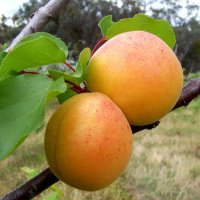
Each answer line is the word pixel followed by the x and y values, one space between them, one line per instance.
pixel 83 62
pixel 58 87
pixel 79 75
pixel 66 95
pixel 105 23
pixel 22 105
pixel 2 56
pixel 69 77
pixel 160 28
pixel 60 44
pixel 34 50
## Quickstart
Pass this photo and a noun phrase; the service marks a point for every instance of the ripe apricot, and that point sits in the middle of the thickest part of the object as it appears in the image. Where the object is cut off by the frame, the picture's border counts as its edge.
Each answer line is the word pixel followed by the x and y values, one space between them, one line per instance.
pixel 140 73
pixel 88 141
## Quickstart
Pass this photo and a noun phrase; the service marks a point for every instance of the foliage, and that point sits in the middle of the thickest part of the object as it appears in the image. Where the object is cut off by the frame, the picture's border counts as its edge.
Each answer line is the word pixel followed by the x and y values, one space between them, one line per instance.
pixel 110 29
pixel 37 50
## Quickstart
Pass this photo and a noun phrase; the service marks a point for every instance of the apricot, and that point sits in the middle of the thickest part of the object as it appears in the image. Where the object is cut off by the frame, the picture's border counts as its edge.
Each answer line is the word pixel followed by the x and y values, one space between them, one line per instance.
pixel 88 141
pixel 140 73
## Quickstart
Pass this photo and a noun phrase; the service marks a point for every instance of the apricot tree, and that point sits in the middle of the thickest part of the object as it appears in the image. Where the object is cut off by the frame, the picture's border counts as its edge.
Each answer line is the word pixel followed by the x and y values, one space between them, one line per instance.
pixel 25 93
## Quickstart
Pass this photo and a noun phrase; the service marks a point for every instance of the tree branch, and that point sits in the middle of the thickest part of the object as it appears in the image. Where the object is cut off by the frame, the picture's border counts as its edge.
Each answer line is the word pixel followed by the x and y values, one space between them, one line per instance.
pixel 40 19
pixel 190 91
pixel 32 187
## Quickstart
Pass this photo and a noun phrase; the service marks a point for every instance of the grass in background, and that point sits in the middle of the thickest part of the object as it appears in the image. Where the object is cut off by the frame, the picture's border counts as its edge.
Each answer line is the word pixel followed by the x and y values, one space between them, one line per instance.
pixel 165 164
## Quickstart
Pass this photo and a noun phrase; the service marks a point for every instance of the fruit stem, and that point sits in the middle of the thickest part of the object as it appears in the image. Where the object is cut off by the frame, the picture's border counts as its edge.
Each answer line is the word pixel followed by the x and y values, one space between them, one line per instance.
pixel 76 88
pixel 98 44
pixel 68 65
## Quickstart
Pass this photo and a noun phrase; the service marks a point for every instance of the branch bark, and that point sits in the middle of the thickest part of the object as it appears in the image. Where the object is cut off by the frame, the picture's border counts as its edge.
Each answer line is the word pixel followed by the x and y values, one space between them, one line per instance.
pixel 40 19
pixel 190 91
pixel 32 187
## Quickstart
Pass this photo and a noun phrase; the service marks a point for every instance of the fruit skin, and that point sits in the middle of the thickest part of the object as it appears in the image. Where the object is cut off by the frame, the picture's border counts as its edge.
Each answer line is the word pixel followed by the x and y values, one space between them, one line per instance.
pixel 140 73
pixel 88 141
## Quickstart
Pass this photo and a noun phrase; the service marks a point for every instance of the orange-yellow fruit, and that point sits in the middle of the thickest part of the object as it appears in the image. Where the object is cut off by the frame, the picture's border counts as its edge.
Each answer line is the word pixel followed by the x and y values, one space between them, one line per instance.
pixel 140 73
pixel 88 141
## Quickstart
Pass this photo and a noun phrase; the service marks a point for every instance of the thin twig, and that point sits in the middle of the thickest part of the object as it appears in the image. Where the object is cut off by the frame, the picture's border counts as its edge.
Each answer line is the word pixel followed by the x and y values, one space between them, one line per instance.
pixel 75 87
pixel 68 65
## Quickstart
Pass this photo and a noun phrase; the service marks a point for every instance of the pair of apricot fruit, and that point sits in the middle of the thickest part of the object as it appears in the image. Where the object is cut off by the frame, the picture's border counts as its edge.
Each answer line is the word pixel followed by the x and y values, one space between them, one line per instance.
pixel 134 78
